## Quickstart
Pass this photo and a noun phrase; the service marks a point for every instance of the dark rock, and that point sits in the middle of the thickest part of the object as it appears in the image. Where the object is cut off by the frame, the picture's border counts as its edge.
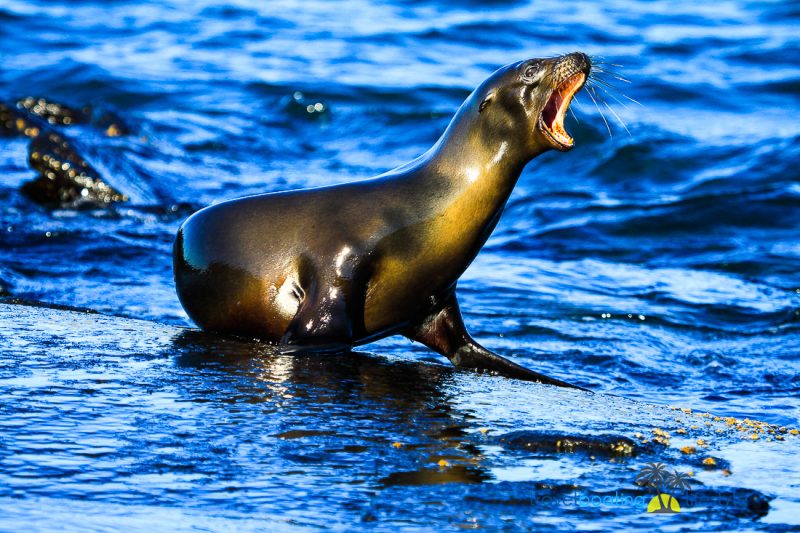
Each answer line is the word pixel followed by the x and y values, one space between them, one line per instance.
pixel 549 442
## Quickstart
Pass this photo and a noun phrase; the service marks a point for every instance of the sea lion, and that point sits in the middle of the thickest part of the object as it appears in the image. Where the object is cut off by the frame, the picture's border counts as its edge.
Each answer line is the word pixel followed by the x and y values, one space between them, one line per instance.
pixel 333 267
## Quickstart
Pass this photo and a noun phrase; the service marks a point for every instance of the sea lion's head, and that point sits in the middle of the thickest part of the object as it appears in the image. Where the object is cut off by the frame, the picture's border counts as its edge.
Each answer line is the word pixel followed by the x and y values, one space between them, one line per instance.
pixel 529 99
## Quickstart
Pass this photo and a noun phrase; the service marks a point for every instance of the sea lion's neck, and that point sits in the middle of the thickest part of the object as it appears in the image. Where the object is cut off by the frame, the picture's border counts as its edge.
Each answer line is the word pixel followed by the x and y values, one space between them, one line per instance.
pixel 475 168
pixel 474 158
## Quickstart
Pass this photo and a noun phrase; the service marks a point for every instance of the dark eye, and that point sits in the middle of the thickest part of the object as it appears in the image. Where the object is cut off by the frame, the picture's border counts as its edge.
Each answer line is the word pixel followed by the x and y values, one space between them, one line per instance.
pixel 530 72
pixel 485 103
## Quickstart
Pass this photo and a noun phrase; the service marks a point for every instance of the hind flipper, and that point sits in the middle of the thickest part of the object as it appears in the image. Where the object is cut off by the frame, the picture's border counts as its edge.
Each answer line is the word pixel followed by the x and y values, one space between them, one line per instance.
pixel 444 332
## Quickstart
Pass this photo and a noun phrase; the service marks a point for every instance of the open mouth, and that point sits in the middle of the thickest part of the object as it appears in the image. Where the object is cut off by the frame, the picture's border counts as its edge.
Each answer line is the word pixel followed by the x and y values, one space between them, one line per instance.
pixel 552 118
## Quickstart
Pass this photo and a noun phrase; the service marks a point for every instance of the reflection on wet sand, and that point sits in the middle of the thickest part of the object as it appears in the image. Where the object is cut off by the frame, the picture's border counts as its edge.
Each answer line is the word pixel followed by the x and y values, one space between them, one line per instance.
pixel 414 396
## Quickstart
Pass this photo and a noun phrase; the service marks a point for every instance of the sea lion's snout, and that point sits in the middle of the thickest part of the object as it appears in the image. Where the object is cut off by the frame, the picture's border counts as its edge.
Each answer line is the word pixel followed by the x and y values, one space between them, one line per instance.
pixel 577 61
pixel 567 77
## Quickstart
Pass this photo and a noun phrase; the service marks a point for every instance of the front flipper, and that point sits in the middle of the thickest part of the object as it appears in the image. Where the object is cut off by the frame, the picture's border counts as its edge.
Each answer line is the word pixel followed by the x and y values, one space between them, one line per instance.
pixel 325 318
pixel 444 332
pixel 322 322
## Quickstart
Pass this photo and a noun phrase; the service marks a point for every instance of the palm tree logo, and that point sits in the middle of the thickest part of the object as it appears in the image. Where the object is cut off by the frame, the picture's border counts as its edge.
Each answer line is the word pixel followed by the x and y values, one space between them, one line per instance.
pixel 655 477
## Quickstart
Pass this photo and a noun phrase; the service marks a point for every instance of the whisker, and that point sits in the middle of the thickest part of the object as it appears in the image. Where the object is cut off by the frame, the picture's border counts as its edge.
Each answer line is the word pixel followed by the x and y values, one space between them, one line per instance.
pixel 601 78
pixel 577 104
pixel 637 102
pixel 606 66
pixel 620 93
pixel 603 101
pixel 613 74
pixel 601 82
pixel 604 81
pixel 618 119
pixel 589 92
pixel 574 115
pixel 620 102
pixel 605 86
pixel 601 60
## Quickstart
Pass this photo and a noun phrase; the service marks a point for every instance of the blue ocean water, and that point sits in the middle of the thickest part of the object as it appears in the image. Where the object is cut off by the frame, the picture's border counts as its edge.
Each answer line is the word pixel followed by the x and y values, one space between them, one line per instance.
pixel 657 260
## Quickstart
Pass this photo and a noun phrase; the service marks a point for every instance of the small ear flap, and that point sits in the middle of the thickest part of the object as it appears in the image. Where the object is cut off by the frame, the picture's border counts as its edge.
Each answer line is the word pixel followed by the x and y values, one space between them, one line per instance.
pixel 485 103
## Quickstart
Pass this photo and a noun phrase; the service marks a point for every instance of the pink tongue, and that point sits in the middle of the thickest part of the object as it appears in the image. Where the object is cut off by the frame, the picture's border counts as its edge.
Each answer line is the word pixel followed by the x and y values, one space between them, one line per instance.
pixel 551 109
